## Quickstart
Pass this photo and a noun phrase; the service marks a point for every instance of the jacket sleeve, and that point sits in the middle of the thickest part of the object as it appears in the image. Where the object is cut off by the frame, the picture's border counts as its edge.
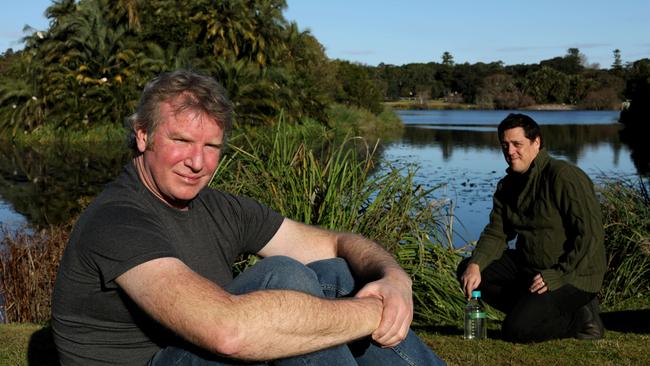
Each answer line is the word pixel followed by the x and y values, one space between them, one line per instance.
pixel 584 247
pixel 495 236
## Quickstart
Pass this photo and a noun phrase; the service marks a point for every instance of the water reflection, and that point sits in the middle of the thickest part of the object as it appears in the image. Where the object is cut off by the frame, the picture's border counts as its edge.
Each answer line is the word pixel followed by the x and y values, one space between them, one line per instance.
pixel 569 141
pixel 48 184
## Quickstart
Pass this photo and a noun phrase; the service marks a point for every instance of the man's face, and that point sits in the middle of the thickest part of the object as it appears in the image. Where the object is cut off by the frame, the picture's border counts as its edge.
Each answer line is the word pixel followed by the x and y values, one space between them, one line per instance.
pixel 183 157
pixel 518 150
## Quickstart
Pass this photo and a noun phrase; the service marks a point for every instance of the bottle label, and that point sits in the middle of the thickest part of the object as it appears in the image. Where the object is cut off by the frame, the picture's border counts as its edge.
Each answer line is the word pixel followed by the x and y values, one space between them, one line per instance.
pixel 477 315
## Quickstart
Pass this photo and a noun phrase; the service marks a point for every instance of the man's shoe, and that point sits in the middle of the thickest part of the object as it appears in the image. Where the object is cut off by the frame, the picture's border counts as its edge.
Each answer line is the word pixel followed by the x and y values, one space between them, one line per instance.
pixel 592 325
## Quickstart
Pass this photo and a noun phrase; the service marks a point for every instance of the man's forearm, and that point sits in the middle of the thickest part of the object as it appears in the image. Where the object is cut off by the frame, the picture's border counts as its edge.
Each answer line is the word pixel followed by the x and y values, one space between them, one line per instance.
pixel 277 323
pixel 260 325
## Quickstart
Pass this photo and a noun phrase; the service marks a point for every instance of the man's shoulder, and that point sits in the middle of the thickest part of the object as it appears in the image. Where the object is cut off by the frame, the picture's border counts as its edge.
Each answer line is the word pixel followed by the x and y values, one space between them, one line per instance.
pixel 558 169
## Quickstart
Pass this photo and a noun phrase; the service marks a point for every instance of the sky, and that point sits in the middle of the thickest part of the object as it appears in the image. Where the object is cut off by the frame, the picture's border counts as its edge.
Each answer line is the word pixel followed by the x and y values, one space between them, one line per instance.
pixel 408 31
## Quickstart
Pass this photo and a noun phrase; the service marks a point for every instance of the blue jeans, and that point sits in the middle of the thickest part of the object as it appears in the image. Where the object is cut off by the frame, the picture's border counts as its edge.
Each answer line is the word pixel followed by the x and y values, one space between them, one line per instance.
pixel 329 278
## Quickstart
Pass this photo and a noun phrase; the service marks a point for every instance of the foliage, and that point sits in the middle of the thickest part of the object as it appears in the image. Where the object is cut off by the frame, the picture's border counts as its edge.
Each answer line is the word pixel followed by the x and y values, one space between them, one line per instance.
pixel 500 91
pixel 626 214
pixel 562 80
pixel 570 64
pixel 356 87
pixel 88 68
pixel 637 90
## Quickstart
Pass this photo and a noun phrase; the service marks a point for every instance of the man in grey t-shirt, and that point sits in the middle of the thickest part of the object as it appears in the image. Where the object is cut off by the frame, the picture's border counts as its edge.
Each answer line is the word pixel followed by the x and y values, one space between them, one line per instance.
pixel 146 276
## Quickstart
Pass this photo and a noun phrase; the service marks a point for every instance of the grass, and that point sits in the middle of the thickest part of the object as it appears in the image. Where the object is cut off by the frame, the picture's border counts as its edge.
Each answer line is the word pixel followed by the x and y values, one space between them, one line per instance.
pixel 26 344
pixel 617 348
pixel 31 344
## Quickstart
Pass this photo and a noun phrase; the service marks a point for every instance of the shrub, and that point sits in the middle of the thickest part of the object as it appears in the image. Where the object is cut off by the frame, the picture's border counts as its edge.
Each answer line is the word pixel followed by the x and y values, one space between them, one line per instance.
pixel 29 262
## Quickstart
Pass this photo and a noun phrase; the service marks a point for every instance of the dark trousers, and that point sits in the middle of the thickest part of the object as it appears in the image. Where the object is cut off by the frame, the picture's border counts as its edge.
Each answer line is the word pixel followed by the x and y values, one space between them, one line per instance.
pixel 530 317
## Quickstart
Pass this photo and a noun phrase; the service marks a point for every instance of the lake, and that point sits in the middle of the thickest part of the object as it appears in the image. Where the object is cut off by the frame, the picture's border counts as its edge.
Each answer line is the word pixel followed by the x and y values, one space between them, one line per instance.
pixel 458 152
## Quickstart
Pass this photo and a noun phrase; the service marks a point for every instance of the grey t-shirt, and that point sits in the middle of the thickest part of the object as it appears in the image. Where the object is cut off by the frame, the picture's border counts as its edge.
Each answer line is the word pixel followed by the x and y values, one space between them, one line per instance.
pixel 93 320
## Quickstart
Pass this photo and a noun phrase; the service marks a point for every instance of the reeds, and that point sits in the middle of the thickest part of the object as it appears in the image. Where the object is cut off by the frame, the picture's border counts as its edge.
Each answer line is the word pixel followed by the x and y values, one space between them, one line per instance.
pixel 28 265
pixel 626 217
pixel 308 175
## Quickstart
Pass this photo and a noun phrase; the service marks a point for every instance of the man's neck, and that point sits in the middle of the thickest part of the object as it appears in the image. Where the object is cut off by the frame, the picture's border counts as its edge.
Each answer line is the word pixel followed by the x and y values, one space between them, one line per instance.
pixel 138 163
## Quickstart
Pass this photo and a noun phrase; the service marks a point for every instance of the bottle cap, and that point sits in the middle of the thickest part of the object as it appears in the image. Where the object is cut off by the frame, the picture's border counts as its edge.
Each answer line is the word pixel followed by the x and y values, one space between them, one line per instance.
pixel 476 293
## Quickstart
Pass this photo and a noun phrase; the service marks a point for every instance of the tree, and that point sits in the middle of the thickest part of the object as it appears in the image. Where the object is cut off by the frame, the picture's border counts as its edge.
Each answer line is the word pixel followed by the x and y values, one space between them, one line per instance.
pixel 547 85
pixel 447 59
pixel 500 91
pixel 617 65
pixel 356 87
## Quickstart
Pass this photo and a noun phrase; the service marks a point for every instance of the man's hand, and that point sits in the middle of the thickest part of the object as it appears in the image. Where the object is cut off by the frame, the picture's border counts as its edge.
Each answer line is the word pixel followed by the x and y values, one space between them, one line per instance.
pixel 538 286
pixel 471 278
pixel 397 299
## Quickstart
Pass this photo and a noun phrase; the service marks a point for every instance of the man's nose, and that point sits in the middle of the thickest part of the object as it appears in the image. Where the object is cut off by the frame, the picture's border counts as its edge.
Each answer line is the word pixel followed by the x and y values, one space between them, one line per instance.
pixel 194 159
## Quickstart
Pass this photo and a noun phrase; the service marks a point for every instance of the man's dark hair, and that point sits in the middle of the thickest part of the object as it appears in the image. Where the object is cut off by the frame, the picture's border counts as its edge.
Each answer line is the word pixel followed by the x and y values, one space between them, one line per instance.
pixel 191 90
pixel 514 120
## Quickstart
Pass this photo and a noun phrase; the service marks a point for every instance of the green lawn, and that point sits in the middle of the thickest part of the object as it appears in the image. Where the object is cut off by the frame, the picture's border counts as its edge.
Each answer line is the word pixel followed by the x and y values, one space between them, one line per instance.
pixel 626 342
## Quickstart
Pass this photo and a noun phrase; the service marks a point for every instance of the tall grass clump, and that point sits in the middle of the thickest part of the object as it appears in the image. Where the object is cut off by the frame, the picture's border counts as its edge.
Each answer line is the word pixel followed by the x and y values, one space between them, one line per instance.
pixel 626 217
pixel 28 265
pixel 308 175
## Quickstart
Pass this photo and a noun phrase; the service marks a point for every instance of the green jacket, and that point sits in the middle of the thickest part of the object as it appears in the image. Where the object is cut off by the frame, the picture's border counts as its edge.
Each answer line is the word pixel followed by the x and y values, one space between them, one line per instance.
pixel 553 211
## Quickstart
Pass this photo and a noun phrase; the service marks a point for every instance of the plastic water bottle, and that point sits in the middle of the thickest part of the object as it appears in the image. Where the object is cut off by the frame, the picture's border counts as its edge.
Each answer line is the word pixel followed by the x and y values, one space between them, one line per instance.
pixel 475 321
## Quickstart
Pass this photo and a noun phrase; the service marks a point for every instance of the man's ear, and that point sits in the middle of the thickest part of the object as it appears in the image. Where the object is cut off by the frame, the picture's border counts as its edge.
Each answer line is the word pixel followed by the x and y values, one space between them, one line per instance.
pixel 141 139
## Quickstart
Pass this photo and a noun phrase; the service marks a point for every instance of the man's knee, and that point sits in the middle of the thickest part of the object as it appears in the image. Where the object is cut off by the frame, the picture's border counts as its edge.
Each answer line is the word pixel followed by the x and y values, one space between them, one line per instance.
pixel 334 276
pixel 288 274
pixel 276 273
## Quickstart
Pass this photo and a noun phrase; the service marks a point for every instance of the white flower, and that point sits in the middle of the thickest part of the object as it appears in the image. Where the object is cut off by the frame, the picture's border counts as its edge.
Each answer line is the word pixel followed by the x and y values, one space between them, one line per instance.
pixel 103 80
pixel 34 97
pixel 40 35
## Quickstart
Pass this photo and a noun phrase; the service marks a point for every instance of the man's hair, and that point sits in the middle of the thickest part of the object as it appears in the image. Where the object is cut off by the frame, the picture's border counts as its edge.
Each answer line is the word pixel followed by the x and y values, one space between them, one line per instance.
pixel 514 120
pixel 191 91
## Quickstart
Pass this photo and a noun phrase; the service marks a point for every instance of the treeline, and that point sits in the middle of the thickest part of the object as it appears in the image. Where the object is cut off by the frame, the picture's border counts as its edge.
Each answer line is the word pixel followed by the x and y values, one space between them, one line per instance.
pixel 560 80
pixel 89 67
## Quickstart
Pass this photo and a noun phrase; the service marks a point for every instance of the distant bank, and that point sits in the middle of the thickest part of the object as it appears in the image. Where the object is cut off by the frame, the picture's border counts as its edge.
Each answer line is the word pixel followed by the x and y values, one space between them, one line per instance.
pixel 444 105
